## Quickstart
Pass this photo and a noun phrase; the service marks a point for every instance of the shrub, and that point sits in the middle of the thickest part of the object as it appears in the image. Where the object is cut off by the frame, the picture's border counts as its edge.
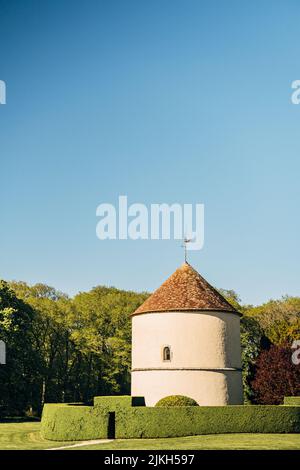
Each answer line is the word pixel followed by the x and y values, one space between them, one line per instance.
pixel 157 422
pixel 276 376
pixel 177 400
pixel 62 422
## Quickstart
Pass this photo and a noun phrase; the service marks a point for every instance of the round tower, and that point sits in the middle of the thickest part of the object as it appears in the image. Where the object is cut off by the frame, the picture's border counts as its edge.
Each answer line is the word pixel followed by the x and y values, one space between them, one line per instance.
pixel 186 341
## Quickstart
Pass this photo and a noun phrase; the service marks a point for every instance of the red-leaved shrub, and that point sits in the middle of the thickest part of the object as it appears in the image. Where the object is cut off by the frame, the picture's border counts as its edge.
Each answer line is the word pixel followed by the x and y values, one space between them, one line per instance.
pixel 275 376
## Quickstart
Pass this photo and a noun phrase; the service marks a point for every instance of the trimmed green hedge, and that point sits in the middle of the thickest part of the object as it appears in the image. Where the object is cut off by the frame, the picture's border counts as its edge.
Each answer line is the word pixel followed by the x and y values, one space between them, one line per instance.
pixel 154 422
pixel 294 401
pixel 112 403
pixel 62 422
pixel 177 400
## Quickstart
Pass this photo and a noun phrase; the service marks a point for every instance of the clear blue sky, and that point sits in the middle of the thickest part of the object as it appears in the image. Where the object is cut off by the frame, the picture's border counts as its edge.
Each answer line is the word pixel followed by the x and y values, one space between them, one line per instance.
pixel 165 101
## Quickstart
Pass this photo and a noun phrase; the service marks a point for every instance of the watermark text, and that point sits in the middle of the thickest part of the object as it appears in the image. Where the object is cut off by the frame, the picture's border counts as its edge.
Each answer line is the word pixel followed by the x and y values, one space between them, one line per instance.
pixel 2 92
pixel 156 222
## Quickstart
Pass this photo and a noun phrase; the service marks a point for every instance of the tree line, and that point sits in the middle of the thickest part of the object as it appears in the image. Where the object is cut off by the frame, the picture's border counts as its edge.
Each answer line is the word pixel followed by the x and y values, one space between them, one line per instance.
pixel 62 349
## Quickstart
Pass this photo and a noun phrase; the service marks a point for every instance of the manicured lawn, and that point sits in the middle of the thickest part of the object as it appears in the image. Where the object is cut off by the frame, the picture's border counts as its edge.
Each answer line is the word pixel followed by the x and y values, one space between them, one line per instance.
pixel 25 435
pixel 207 442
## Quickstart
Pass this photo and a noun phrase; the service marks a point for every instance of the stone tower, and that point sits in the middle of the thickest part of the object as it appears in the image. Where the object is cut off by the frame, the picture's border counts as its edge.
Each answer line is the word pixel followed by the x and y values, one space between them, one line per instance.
pixel 186 341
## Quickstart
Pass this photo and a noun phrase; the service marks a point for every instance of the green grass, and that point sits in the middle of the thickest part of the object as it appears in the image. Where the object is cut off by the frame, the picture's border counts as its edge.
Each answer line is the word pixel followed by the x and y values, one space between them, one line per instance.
pixel 26 435
pixel 207 442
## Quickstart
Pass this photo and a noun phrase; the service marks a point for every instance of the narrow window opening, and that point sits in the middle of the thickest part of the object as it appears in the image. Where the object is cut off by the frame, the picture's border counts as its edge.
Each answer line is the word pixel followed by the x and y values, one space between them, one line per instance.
pixel 167 353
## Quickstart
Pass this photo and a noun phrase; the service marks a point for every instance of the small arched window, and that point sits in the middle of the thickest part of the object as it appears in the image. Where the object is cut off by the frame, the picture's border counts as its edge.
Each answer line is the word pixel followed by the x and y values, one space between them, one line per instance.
pixel 166 353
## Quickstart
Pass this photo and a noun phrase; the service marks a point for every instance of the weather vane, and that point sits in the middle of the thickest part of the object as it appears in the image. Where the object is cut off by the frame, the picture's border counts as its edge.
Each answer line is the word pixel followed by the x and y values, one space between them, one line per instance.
pixel 185 242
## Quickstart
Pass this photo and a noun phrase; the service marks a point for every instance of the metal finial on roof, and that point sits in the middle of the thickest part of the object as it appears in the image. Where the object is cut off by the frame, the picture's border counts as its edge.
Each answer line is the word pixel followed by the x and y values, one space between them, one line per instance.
pixel 185 242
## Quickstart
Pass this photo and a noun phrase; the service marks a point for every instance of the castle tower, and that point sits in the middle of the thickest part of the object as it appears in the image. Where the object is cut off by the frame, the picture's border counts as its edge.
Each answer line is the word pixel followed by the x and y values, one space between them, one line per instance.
pixel 186 341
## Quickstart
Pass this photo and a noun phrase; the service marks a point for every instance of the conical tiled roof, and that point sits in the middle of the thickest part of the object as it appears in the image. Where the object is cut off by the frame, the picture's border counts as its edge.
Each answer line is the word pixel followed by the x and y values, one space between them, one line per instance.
pixel 185 289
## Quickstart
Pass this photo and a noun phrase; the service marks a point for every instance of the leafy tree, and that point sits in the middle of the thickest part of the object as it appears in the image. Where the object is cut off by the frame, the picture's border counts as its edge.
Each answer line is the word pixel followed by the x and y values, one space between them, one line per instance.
pixel 50 338
pixel 279 319
pixel 103 335
pixel 251 337
pixel 83 345
pixel 18 389
pixel 232 297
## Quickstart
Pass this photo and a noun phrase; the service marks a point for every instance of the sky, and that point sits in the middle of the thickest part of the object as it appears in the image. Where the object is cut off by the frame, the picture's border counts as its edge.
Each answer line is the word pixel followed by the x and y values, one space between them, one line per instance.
pixel 165 102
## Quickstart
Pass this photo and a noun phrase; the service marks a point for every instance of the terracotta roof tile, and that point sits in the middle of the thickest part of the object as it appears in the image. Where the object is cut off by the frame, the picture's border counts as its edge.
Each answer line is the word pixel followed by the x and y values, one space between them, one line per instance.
pixel 185 289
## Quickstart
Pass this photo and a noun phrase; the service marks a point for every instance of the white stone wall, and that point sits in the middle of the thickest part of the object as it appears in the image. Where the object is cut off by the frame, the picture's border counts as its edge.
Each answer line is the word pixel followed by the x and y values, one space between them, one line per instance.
pixel 208 388
pixel 205 346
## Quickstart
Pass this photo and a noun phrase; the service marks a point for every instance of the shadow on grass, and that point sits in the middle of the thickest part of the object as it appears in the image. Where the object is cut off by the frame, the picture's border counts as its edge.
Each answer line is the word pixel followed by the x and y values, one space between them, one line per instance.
pixel 19 419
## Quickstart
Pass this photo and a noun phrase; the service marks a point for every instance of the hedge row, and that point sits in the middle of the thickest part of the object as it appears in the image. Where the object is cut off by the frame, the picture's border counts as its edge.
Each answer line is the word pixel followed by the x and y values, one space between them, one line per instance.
pixel 112 403
pixel 74 421
pixel 294 401
pixel 186 421
pixel 116 417
pixel 62 422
